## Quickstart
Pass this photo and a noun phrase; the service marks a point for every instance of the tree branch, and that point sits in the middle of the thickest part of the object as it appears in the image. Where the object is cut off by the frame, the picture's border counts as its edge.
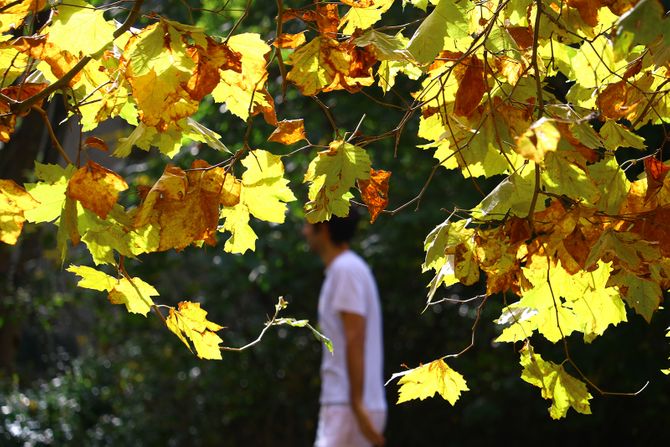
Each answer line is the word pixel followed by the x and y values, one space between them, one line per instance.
pixel 23 106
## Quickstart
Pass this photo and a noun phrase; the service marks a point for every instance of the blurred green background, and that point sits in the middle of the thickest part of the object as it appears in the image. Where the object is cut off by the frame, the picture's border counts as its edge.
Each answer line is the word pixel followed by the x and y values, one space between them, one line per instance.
pixel 76 370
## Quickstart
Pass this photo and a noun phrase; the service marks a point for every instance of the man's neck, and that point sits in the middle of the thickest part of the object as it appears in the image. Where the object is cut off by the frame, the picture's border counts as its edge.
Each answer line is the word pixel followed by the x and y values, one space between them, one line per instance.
pixel 331 252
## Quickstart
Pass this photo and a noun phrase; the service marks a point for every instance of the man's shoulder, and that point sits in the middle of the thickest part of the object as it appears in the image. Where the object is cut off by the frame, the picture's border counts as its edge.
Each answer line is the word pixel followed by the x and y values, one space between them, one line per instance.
pixel 349 261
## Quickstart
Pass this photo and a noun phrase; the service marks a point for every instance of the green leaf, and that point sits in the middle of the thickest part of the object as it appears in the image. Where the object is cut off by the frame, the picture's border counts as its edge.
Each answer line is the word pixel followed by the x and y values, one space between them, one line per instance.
pixel 565 178
pixel 641 25
pixel 612 184
pixel 627 248
pixel 305 323
pixel 426 380
pixel 447 19
pixel 641 294
pixel 512 196
pixel 331 174
pixel 564 390
pixel 616 136
pixel 50 192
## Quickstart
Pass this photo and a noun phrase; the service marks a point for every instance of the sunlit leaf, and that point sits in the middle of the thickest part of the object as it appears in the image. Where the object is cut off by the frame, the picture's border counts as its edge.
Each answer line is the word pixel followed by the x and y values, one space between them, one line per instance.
pixel 426 380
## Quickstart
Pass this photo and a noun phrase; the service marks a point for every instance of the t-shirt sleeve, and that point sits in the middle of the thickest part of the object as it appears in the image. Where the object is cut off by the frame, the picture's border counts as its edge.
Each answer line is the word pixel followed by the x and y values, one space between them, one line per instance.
pixel 348 293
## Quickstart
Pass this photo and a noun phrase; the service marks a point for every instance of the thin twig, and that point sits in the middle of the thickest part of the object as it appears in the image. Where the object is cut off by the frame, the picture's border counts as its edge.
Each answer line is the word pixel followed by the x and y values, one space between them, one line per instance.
pixel 23 106
pixel 52 134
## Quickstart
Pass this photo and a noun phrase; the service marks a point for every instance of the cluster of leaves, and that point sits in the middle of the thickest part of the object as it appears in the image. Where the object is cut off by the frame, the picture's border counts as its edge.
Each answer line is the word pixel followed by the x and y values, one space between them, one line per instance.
pixel 565 230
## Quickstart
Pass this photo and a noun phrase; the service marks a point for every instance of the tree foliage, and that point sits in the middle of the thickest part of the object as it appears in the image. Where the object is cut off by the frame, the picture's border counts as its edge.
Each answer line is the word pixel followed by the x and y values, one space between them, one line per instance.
pixel 568 235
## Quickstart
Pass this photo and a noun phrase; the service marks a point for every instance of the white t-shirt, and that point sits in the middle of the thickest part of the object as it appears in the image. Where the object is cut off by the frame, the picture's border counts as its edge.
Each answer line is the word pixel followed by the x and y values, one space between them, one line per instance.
pixel 349 286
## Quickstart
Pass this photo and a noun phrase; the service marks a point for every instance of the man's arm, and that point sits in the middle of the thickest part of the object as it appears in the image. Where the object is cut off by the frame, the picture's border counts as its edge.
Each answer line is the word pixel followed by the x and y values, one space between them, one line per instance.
pixel 354 334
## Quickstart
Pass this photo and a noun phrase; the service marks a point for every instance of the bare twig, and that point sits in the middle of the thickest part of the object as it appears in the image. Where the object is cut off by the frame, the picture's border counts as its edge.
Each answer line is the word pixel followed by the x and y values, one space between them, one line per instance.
pixel 52 134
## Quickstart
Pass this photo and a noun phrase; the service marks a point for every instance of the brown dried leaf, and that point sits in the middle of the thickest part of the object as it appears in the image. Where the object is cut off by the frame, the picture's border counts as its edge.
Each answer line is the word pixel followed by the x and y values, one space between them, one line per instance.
pixel 471 88
pixel 375 192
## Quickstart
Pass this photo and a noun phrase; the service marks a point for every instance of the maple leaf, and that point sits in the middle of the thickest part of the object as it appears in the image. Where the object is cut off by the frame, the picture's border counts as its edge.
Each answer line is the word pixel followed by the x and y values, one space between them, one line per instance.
pixel 374 192
pixel 556 384
pixel 96 188
pixel 324 64
pixel 288 132
pixel 428 39
pixel 15 12
pixel 616 136
pixel 50 192
pixel 189 322
pixel 87 20
pixel 244 91
pixel 471 87
pixel 184 205
pixel 134 293
pixel 540 138
pixel 14 201
pixel 644 295
pixel 363 15
pixel 331 174
pixel 264 194
pixel 426 380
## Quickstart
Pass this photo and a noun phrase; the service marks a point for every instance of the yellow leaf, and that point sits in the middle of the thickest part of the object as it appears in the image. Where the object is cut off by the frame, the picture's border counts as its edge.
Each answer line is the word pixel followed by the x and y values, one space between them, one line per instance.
pixel 14 201
pixel 331 174
pixel 185 205
pixel 264 194
pixel 557 385
pixel 540 138
pixel 15 12
pixel 426 380
pixel 236 221
pixel 135 294
pixel 363 17
pixel 190 321
pixel 96 187
pixel 75 19
pixel 324 64
pixel 244 92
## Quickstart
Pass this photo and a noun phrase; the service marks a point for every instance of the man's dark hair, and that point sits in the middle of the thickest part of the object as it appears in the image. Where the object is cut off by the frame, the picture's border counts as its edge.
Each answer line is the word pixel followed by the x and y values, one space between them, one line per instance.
pixel 343 229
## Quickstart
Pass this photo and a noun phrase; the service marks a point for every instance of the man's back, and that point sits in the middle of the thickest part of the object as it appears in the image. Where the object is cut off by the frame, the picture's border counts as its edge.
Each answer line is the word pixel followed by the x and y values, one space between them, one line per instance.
pixel 350 287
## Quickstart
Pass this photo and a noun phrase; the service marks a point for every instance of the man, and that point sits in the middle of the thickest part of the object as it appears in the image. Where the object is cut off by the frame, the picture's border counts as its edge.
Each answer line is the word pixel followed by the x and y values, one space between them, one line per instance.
pixel 353 403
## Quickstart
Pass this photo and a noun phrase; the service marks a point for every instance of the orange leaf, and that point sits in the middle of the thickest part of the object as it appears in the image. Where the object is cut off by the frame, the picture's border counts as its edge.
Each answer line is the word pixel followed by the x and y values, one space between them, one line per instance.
pixel 327 19
pixel 59 60
pixel 96 187
pixel 471 88
pixel 289 40
pixel 618 100
pixel 288 132
pixel 588 9
pixel 18 93
pixel 656 171
pixel 375 192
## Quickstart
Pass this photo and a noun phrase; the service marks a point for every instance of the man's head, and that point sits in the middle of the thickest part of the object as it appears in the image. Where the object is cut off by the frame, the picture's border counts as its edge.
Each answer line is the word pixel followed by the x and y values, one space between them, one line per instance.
pixel 335 233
